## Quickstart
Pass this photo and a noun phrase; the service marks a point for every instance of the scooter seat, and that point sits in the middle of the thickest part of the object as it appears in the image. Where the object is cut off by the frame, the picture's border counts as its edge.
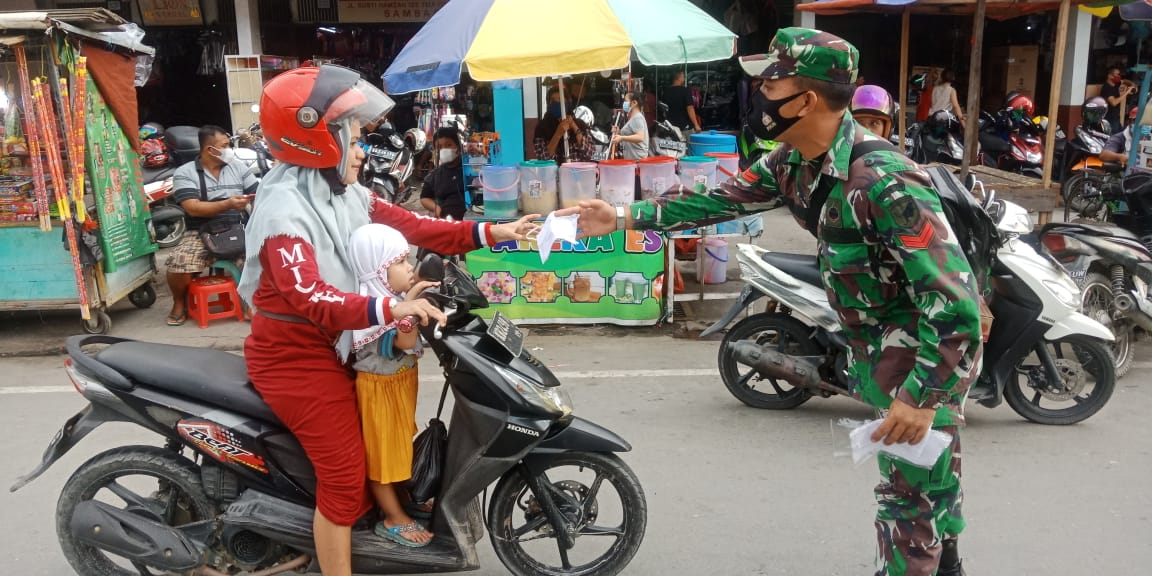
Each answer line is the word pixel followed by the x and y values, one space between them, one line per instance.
pixel 1101 230
pixel 150 175
pixel 803 266
pixel 214 377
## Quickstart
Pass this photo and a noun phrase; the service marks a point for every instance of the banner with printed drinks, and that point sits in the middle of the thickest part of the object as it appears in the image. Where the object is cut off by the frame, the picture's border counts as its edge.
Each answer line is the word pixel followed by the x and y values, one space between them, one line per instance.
pixel 616 279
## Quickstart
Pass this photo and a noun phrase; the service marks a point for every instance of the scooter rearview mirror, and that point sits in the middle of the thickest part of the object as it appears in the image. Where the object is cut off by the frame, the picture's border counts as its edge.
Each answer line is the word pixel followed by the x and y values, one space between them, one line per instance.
pixel 430 269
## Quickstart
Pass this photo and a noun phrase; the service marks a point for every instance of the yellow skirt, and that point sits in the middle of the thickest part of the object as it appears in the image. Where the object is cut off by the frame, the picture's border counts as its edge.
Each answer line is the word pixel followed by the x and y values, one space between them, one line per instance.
pixel 388 419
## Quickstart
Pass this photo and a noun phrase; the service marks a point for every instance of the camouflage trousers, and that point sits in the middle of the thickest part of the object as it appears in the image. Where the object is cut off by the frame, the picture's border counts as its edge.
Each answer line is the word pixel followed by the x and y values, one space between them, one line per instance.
pixel 917 509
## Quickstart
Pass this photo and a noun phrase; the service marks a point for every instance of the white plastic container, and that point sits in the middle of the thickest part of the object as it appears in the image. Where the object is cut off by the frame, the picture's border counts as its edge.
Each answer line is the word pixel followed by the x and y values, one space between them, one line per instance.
pixel 538 193
pixel 696 170
pixel 618 182
pixel 713 261
pixel 501 191
pixel 657 175
pixel 577 183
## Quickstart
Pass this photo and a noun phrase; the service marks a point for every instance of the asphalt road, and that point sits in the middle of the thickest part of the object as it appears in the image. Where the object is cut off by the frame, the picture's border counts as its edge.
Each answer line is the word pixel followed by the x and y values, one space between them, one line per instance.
pixel 730 489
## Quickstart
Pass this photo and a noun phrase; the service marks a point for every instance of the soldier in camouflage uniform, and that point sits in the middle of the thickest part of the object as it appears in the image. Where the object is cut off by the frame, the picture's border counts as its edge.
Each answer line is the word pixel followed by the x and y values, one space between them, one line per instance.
pixel 904 292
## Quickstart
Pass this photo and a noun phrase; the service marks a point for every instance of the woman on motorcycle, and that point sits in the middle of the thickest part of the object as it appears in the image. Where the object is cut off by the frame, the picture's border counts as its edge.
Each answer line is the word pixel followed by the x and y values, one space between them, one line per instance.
pixel 944 96
pixel 873 107
pixel 298 278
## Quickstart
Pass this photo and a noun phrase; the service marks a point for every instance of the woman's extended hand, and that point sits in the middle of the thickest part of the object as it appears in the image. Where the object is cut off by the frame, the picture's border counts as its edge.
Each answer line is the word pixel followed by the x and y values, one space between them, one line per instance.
pixel 515 230
pixel 597 218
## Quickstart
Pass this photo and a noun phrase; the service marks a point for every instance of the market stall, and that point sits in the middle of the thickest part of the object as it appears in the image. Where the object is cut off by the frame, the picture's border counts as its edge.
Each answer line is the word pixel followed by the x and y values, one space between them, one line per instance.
pixel 618 278
pixel 1043 196
pixel 74 225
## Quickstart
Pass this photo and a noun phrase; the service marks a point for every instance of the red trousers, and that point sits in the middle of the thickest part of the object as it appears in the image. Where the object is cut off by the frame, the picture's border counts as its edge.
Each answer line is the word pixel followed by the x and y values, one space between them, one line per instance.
pixel 296 370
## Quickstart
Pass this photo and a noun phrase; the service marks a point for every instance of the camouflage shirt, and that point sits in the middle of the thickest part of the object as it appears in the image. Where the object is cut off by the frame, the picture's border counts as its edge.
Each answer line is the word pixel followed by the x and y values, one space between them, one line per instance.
pixel 905 295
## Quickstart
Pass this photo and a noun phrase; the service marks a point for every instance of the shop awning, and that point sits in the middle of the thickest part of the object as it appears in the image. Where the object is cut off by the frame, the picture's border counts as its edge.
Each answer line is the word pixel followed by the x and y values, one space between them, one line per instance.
pixel 90 23
pixel 508 39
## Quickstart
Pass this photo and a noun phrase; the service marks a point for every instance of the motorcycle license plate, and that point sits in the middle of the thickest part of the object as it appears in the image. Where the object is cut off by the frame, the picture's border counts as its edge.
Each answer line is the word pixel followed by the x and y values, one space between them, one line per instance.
pixel 671 145
pixel 507 334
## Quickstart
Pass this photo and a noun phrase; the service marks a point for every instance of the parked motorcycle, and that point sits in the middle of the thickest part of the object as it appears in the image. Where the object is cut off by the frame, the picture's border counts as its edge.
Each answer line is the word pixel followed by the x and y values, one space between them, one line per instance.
pixel 232 490
pixel 252 150
pixel 939 139
pixel 1113 269
pixel 1082 152
pixel 169 220
pixel 388 165
pixel 1011 140
pixel 667 140
pixel 1041 349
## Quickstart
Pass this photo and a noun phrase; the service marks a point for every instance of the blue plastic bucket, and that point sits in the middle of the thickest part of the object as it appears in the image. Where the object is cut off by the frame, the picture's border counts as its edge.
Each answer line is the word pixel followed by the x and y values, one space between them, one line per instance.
pixel 701 144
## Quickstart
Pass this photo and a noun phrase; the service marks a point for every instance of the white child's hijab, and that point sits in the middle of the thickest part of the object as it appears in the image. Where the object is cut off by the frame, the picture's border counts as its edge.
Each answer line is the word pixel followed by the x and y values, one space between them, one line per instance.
pixel 375 247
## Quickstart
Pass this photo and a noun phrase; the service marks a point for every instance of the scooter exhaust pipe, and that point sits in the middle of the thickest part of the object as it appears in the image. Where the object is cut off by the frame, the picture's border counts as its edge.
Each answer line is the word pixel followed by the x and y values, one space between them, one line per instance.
pixel 799 371
pixel 135 537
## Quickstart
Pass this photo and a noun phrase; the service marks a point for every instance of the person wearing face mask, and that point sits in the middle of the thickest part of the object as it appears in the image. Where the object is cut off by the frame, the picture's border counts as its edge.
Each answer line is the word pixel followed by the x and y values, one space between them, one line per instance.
pixel 633 137
pixel 443 192
pixel 1113 91
pixel 300 278
pixel 901 286
pixel 214 189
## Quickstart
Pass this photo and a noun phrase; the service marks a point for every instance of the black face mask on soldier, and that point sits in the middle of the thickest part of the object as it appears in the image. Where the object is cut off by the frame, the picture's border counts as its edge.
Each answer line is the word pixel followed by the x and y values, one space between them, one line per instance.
pixel 764 116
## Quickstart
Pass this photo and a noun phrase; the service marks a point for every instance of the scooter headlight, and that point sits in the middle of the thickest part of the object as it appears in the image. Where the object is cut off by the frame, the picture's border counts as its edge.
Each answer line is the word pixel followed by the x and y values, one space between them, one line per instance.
pixel 554 399
pixel 1068 296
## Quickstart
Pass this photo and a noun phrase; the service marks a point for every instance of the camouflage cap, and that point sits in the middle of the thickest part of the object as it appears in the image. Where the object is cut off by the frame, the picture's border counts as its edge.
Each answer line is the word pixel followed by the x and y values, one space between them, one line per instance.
pixel 805 52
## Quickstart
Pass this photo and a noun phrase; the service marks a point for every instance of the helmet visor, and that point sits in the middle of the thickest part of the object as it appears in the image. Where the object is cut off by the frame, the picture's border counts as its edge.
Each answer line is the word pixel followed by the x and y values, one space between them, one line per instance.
pixel 871 98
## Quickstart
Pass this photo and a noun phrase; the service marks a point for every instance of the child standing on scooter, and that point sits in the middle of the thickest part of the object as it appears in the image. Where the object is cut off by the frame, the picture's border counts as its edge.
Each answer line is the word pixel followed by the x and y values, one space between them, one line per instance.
pixel 386 362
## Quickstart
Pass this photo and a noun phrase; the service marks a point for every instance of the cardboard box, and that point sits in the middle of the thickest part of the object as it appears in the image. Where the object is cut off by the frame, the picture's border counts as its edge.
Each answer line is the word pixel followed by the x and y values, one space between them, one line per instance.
pixel 1010 69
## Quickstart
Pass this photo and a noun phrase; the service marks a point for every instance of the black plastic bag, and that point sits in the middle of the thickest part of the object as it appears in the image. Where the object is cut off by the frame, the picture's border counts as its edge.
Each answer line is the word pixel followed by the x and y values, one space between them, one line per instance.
pixel 428 454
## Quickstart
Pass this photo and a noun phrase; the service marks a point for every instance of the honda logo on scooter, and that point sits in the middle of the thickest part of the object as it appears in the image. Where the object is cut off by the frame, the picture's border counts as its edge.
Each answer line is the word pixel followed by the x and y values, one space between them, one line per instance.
pixel 523 430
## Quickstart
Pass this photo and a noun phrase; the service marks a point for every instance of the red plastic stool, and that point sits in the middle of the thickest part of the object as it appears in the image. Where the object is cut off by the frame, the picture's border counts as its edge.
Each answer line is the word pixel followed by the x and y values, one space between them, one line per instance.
pixel 201 302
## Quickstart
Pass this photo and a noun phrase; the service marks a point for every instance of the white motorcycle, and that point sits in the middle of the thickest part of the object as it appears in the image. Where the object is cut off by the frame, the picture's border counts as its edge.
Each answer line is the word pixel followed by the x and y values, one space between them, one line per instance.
pixel 1050 362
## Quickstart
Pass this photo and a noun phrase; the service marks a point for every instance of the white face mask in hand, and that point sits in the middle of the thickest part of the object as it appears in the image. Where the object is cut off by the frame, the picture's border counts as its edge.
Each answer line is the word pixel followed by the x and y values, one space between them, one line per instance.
pixel 447 155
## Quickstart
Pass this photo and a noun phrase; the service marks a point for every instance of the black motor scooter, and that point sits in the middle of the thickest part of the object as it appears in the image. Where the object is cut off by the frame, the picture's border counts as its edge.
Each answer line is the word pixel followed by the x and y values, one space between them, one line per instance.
pixel 232 490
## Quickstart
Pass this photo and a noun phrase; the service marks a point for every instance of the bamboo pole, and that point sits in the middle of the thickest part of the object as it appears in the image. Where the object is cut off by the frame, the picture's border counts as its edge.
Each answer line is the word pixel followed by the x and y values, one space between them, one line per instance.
pixel 903 120
pixel 971 130
pixel 1054 94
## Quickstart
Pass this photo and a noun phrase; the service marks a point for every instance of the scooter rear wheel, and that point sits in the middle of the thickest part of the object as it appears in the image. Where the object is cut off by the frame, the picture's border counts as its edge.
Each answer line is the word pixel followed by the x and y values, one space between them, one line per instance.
pixel 787 335
pixel 165 488
pixel 578 483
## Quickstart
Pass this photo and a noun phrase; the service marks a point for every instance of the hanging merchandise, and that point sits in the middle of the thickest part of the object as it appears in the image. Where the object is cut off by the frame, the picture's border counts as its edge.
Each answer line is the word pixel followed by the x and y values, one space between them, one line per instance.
pixel 32 133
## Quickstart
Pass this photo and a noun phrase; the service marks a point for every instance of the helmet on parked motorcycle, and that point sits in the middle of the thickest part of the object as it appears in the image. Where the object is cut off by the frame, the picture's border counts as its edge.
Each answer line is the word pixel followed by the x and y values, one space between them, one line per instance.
pixel 919 81
pixel 1132 114
pixel 1020 105
pixel 1093 110
pixel 871 101
pixel 308 114
pixel 416 139
pixel 151 130
pixel 584 116
pixel 1041 121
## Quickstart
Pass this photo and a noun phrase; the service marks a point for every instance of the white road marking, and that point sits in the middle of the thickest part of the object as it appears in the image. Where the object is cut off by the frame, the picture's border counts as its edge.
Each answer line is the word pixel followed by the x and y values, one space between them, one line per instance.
pixel 562 376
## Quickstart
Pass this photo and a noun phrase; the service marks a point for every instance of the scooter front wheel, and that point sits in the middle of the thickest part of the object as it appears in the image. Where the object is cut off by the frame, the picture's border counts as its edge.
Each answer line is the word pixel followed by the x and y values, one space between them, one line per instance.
pixel 600 504
pixel 783 333
pixel 1087 373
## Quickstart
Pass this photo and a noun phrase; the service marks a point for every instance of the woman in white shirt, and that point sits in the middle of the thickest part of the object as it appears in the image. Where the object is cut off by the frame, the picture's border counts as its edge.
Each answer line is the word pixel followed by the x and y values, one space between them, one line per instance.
pixel 944 96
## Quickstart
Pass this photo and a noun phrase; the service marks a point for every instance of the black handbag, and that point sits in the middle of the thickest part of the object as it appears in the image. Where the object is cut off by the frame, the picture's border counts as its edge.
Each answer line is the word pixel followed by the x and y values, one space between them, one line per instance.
pixel 222 239
pixel 428 453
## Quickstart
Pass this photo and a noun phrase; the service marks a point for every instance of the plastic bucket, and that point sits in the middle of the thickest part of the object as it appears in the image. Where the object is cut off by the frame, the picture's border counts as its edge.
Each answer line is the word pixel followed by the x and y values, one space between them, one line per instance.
pixel 657 175
pixel 705 142
pixel 697 170
pixel 729 164
pixel 501 193
pixel 714 261
pixel 618 182
pixel 538 187
pixel 577 182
